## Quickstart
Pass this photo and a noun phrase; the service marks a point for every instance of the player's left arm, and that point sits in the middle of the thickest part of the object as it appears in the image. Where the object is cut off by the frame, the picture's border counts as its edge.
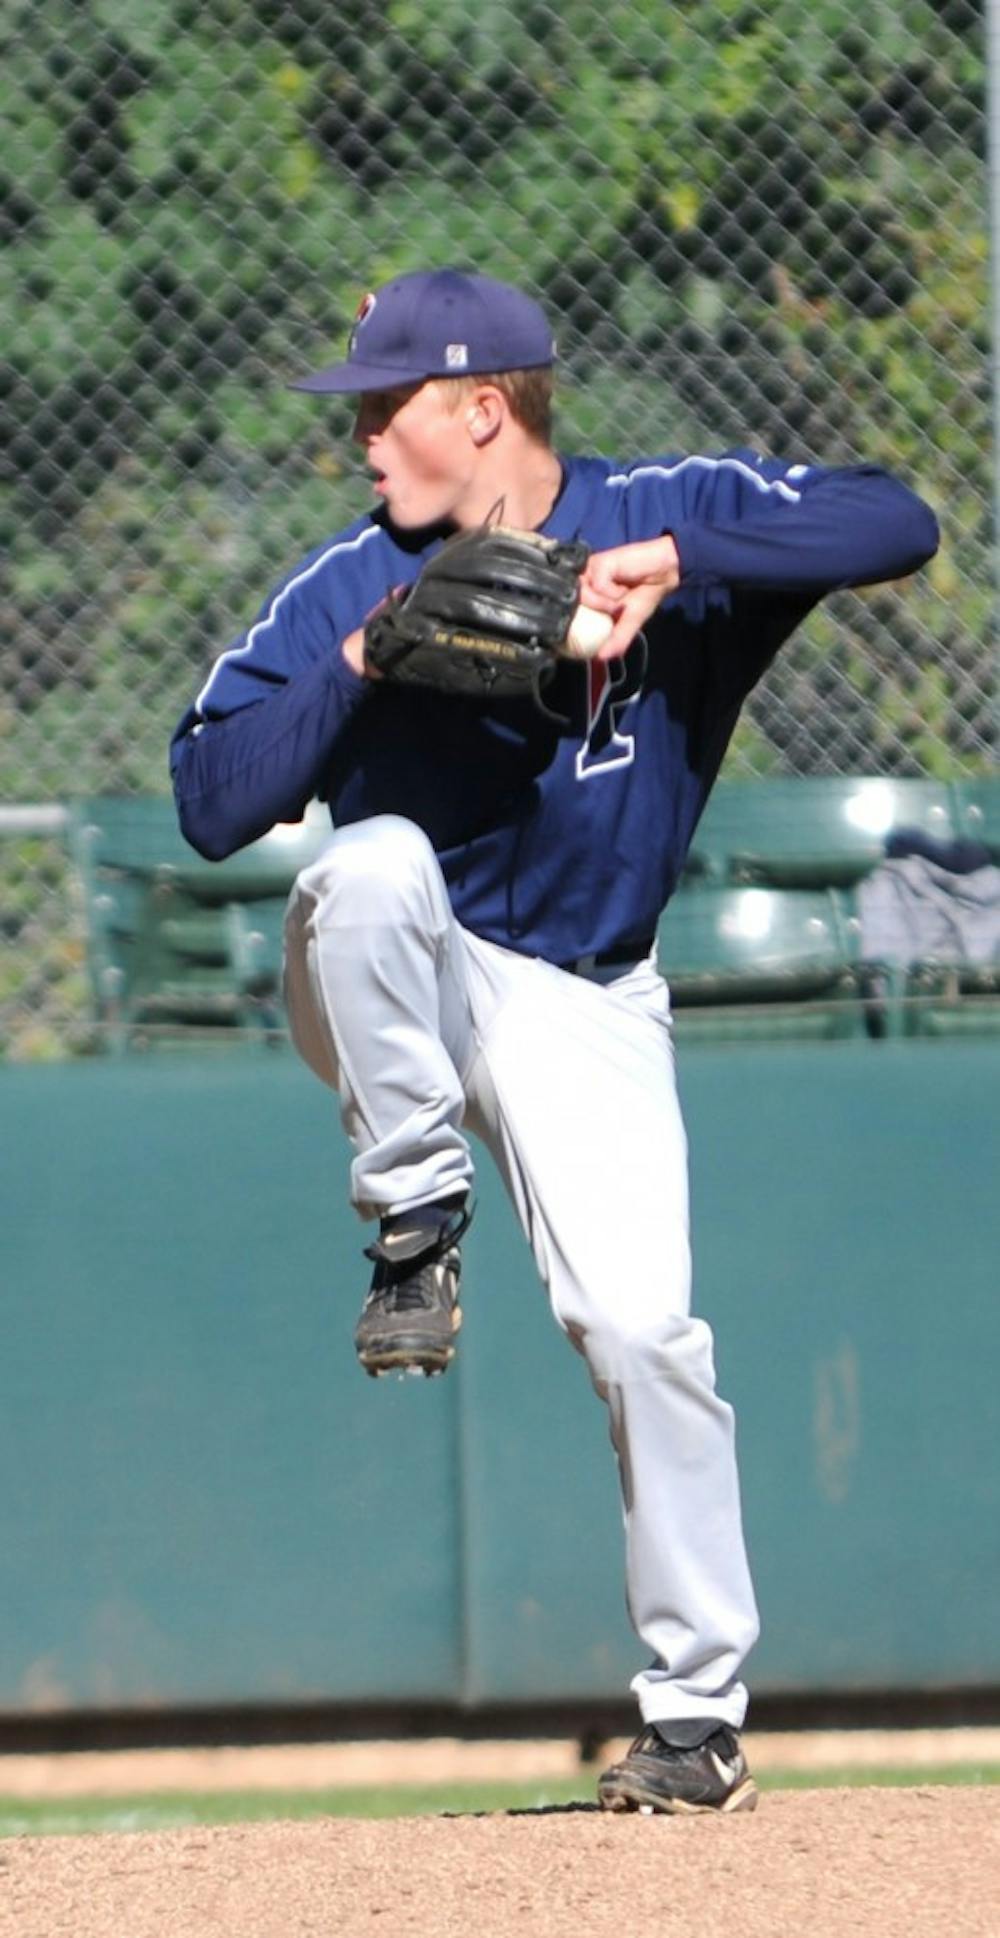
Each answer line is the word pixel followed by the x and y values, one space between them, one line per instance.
pixel 756 524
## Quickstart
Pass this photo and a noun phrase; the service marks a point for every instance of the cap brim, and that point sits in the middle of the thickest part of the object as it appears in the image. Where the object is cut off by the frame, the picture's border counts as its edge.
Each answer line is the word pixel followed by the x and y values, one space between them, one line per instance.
pixel 348 377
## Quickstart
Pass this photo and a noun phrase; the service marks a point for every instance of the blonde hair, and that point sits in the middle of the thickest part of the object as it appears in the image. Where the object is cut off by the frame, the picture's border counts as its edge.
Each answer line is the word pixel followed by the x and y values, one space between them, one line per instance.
pixel 528 394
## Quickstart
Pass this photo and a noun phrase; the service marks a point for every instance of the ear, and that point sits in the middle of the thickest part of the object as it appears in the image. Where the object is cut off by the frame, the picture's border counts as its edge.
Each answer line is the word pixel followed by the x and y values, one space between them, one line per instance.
pixel 484 413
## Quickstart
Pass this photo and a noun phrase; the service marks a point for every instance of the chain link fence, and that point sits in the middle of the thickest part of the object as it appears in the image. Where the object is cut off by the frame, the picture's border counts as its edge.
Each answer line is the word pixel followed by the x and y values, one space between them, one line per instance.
pixel 751 223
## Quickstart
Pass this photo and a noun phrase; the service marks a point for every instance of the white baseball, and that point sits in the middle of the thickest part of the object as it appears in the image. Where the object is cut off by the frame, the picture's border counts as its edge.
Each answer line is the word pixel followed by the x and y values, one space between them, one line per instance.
pixel 589 631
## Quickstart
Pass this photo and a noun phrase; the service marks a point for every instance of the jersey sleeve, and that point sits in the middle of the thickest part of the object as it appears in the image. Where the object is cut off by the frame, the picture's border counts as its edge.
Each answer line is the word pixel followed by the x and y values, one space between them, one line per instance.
pixel 755 523
pixel 253 747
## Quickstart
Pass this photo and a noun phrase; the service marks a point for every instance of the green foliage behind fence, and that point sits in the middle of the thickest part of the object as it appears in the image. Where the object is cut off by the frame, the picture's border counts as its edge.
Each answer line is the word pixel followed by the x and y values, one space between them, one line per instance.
pixel 751 223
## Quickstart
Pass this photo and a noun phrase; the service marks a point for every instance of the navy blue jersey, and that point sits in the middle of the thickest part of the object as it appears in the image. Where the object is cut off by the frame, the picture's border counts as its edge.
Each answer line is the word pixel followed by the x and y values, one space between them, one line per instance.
pixel 561 836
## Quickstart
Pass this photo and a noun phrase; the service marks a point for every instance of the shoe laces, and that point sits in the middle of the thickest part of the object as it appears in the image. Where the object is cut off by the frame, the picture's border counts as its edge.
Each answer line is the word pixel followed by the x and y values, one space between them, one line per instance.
pixel 722 1739
pixel 413 1292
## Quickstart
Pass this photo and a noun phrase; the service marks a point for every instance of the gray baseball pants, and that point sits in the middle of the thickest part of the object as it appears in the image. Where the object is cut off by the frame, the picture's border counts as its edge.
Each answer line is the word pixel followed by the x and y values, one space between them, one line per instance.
pixel 425 1030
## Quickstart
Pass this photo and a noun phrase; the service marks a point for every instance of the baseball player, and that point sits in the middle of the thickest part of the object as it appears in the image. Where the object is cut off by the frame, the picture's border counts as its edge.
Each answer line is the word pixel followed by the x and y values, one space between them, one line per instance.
pixel 474 949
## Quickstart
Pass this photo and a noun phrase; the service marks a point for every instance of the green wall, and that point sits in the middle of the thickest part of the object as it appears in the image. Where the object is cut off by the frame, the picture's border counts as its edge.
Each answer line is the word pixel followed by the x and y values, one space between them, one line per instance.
pixel 204 1501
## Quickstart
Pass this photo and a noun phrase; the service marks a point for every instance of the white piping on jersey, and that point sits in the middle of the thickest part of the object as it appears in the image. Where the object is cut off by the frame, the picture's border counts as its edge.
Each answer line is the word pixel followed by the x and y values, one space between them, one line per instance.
pixel 237 652
pixel 714 464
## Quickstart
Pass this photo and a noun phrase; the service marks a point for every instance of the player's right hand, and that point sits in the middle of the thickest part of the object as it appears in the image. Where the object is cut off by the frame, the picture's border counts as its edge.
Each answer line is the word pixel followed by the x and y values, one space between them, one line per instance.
pixel 629 582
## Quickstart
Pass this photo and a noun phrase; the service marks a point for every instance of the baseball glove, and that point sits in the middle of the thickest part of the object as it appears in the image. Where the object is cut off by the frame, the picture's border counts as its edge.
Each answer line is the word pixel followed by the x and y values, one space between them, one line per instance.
pixel 486 618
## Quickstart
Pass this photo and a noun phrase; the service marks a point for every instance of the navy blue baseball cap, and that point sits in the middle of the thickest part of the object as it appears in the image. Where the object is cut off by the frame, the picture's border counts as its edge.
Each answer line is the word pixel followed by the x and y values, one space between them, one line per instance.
pixel 438 323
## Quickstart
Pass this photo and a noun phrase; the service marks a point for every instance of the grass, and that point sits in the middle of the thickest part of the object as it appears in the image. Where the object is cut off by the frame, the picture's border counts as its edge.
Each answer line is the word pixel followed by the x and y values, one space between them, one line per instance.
pixel 70 1816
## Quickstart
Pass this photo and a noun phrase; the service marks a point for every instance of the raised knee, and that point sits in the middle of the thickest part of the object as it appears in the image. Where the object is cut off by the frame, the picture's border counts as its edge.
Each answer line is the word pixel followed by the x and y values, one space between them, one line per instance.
pixel 370 863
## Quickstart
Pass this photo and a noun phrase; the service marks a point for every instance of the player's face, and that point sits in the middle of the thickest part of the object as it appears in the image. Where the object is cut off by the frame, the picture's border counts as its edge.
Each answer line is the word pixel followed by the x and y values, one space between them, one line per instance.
pixel 419 451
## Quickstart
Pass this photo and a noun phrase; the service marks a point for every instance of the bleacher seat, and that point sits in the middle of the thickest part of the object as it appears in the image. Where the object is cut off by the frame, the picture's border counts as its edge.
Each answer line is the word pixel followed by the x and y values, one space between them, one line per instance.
pixel 175 942
pixel 952 999
pixel 817 832
pixel 752 962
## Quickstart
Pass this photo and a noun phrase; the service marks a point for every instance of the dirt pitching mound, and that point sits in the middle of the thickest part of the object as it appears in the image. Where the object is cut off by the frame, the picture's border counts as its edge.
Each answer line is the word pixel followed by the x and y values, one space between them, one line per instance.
pixel 808 1864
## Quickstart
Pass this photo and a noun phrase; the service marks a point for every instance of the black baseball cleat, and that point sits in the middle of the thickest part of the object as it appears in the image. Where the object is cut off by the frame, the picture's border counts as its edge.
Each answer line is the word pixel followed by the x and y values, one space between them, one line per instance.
pixel 411 1315
pixel 681 1778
